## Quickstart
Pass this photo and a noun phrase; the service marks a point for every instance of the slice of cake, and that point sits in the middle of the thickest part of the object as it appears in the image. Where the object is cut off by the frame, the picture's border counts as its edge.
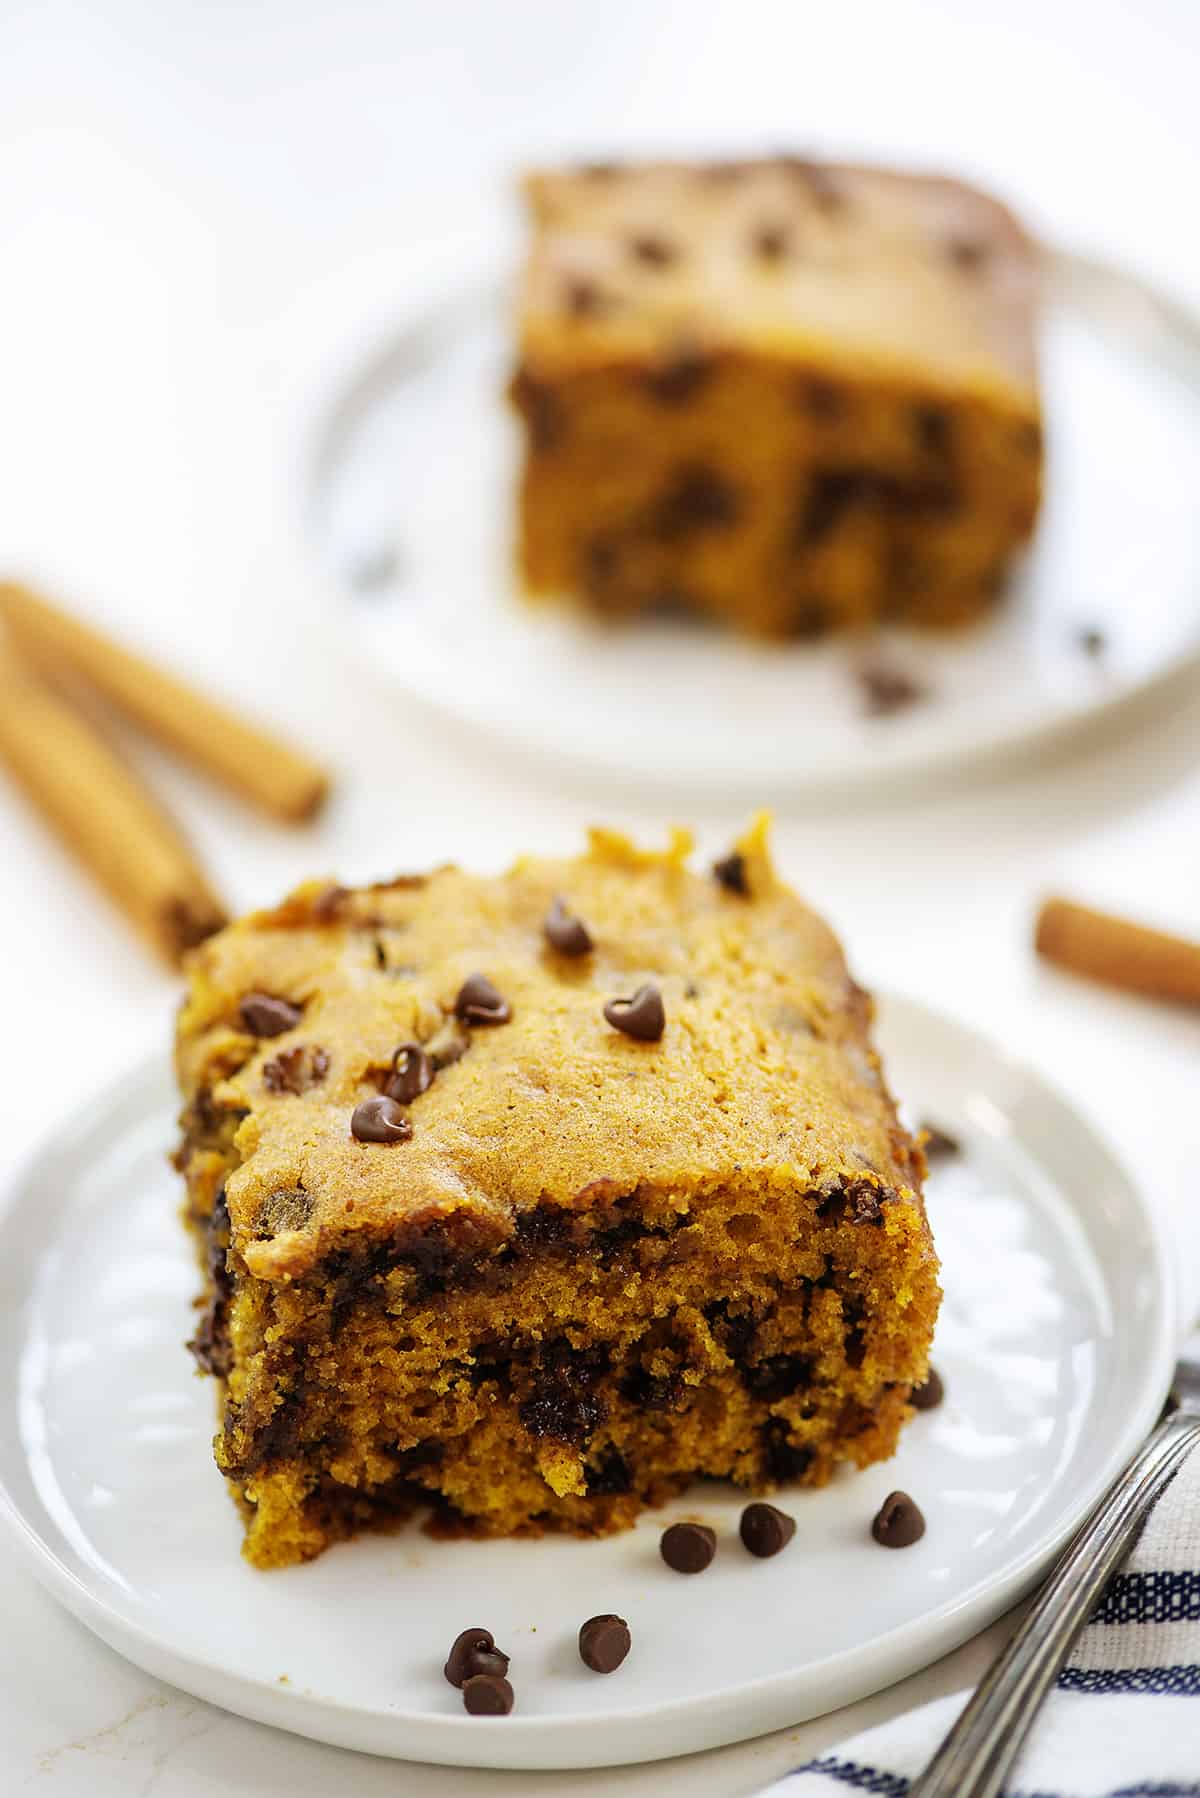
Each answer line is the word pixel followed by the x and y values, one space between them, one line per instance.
pixel 536 1196
pixel 792 396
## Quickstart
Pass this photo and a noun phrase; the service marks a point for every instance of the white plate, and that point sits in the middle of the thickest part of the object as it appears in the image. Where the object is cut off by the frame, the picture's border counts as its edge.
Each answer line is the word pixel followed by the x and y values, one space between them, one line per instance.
pixel 409 472
pixel 1055 1341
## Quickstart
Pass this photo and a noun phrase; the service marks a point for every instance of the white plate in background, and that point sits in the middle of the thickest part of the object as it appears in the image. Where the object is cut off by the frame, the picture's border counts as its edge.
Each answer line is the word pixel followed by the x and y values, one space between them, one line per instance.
pixel 1056 1342
pixel 409 463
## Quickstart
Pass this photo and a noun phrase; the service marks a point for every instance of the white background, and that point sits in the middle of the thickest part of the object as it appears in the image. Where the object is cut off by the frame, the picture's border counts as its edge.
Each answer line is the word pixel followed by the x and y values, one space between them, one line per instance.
pixel 181 186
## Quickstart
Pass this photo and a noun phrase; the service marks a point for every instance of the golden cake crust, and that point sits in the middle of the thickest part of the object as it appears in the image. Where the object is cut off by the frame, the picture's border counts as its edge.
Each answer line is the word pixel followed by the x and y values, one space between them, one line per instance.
pixel 764 1065
pixel 869 272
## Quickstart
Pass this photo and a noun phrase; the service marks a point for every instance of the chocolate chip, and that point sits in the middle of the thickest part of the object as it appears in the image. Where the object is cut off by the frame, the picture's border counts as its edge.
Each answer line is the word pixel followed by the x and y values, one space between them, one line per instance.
pixel 967 253
pixel 731 872
pixel 898 1522
pixel 604 1642
pixel 770 243
pixel 485 1696
pixel 939 1144
pixel 821 398
pixel 565 932
pixel 328 905
pixel 379 1120
pixel 697 498
pixel 295 1070
pixel 688 1547
pixel 785 1461
pixel 679 376
pixel 654 251
pixel 475 1653
pixel 931 426
pixel 1093 642
pixel 582 298
pixel 831 494
pixel 886 689
pixel 601 560
pixel 929 1395
pixel 263 1015
pixel 478 1002
pixel 412 1074
pixel 642 1016
pixel 811 619
pixel 765 1530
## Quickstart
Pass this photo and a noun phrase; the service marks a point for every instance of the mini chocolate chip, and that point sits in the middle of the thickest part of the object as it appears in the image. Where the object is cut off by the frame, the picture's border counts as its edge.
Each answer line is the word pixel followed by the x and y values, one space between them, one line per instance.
pixel 939 1144
pixel 967 253
pixel 898 1522
pixel 478 1002
pixel 565 932
pixel 811 619
pixel 541 408
pixel 1093 642
pixel 295 1070
pixel 582 298
pixel 328 904
pixel 486 1696
pixel 264 1015
pixel 770 243
pixel 821 398
pixel 604 1642
pixel 474 1653
pixel 379 1120
pixel 696 498
pixel 765 1530
pixel 642 1016
pixel 886 690
pixel 654 251
pixel 412 1074
pixel 688 1547
pixel 930 1393
pixel 932 428
pixel 679 376
pixel 731 872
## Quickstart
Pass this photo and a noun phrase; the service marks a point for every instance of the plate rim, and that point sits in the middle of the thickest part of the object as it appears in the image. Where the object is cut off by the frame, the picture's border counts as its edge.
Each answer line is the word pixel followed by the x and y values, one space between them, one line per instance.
pixel 356 335
pixel 546 1742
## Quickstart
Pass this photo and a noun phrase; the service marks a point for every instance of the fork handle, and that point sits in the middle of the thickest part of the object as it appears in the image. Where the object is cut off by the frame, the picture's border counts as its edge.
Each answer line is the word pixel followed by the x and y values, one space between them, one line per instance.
pixel 980 1749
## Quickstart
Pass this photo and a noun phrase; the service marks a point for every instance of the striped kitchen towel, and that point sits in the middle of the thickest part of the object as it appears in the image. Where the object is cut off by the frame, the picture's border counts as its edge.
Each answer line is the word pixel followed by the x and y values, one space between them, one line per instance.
pixel 1118 1724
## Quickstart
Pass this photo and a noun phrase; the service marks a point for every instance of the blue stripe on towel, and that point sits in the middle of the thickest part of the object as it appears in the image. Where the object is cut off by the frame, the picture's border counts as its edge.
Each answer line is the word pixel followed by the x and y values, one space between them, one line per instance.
pixel 1151 1598
pixel 1176 1682
pixel 895 1785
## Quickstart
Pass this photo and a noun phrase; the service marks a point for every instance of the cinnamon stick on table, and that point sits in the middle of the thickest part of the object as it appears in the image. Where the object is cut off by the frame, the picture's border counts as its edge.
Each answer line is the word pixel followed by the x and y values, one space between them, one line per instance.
pixel 269 773
pixel 1118 952
pixel 104 813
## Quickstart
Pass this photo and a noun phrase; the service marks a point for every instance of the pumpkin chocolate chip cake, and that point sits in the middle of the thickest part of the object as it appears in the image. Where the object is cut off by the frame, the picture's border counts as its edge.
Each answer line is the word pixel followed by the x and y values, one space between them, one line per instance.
pixel 793 396
pixel 534 1197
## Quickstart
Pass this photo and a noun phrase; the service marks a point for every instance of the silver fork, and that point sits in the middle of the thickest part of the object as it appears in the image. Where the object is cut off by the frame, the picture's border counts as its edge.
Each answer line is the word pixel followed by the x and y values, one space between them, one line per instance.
pixel 977 1755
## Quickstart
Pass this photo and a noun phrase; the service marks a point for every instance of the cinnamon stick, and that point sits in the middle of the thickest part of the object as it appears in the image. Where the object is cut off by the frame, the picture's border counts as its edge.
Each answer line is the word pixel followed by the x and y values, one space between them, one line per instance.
pixel 256 764
pixel 1118 952
pixel 104 814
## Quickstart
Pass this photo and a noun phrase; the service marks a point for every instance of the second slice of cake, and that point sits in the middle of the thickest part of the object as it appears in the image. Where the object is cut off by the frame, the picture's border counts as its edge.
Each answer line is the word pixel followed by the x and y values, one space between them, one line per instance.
pixel 791 396
pixel 537 1196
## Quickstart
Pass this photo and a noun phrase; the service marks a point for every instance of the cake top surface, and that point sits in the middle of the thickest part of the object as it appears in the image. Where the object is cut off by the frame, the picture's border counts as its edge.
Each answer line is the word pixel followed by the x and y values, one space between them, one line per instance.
pixel 882 272
pixel 763 1071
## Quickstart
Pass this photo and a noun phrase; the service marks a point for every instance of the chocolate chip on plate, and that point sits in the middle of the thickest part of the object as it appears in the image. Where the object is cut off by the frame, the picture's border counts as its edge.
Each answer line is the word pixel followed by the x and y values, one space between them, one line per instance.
pixel 731 872
pixel 412 1074
pixel 688 1547
pixel 1092 641
pixel 642 1016
pixel 565 932
pixel 582 298
pixel 474 1652
pixel 604 1642
pixel 478 1002
pixel 765 1530
pixel 486 1696
pixel 379 1120
pixel 898 1522
pixel 886 689
pixel 264 1015
pixel 930 1393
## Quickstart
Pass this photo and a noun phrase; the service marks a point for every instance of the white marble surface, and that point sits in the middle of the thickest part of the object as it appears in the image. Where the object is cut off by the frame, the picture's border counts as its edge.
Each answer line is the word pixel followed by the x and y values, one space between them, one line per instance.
pixel 176 182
